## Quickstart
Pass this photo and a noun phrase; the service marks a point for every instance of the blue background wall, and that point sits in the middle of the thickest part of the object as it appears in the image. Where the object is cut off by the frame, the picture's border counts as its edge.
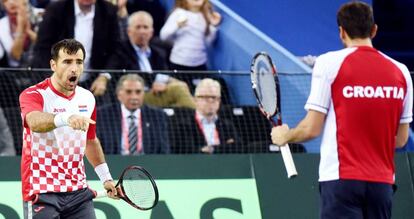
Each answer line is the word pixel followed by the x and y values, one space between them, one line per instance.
pixel 302 27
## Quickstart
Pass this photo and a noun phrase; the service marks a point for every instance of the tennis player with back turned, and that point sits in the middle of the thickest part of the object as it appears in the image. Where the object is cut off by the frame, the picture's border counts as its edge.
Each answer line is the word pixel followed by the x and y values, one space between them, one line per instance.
pixel 363 101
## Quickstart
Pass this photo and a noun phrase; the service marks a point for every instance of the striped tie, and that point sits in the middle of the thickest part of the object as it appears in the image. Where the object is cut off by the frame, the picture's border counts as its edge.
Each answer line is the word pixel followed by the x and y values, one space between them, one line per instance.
pixel 132 135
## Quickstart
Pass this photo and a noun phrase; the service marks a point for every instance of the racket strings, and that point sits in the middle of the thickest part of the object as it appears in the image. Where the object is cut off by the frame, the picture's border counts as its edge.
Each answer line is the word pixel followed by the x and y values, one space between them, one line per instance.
pixel 265 84
pixel 138 188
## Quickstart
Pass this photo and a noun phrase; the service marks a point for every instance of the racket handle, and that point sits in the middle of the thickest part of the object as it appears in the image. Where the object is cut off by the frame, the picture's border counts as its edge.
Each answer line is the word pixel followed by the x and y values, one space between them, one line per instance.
pixel 288 160
pixel 101 194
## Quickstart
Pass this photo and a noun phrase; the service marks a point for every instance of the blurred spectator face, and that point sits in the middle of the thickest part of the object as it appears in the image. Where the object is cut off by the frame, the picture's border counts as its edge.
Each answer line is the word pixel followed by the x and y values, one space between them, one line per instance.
pixel 195 4
pixel 131 94
pixel 68 68
pixel 12 6
pixel 207 100
pixel 86 3
pixel 140 29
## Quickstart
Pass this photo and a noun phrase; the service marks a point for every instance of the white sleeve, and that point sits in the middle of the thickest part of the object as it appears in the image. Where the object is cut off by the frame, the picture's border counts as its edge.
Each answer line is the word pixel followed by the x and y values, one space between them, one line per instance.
pixel 324 73
pixel 407 114
pixel 320 94
pixel 170 27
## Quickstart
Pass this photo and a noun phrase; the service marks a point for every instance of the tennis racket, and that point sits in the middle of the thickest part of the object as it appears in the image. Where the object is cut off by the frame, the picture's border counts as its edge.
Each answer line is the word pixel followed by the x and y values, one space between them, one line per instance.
pixel 138 188
pixel 265 84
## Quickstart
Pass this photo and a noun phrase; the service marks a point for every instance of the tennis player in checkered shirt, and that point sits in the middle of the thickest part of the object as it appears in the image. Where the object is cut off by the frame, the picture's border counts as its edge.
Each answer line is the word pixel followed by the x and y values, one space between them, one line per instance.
pixel 58 129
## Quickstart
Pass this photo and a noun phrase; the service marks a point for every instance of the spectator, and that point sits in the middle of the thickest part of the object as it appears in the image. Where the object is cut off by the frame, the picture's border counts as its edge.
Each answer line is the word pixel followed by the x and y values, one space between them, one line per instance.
pixel 191 26
pixel 92 22
pixel 129 127
pixel 137 53
pixel 204 131
pixel 6 138
pixel 17 34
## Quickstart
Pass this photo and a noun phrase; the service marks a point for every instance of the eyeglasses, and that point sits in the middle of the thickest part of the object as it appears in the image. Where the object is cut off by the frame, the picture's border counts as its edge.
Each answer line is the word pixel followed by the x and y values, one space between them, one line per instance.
pixel 138 91
pixel 208 97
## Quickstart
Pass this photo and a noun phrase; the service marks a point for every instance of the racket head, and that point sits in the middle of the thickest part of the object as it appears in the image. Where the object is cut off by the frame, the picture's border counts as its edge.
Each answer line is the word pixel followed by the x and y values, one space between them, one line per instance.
pixel 265 85
pixel 138 188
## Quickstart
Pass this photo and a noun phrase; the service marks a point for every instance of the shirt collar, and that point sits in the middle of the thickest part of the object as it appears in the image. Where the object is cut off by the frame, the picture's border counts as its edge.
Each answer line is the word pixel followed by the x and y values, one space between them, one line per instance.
pixel 78 11
pixel 204 119
pixel 139 50
pixel 126 112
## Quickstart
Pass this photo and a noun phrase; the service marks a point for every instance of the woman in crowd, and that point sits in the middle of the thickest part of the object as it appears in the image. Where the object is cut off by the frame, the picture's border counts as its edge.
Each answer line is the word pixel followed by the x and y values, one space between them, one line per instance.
pixel 191 27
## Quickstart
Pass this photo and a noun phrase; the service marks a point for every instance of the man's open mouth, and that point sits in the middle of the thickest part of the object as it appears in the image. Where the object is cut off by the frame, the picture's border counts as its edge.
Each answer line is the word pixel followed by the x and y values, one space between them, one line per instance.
pixel 72 79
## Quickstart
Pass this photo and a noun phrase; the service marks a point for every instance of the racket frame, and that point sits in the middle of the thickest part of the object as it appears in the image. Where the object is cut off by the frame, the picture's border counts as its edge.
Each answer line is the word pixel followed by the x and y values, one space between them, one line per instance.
pixel 124 196
pixel 274 117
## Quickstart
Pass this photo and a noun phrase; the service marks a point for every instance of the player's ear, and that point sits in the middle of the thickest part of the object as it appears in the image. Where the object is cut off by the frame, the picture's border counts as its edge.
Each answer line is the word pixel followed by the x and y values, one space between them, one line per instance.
pixel 374 31
pixel 341 33
pixel 52 64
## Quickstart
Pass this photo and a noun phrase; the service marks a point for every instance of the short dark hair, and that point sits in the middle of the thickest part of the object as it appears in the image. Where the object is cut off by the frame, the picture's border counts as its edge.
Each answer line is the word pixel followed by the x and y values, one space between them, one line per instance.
pixel 69 46
pixel 356 18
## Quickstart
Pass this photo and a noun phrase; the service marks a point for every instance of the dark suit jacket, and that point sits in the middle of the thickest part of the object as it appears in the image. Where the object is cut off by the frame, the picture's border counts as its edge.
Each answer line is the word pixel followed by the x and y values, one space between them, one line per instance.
pixel 59 23
pixel 125 57
pixel 190 139
pixel 154 124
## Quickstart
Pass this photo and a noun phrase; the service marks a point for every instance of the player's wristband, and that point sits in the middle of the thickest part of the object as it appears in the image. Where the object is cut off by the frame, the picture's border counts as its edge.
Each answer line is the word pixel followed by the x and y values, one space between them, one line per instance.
pixel 102 170
pixel 61 119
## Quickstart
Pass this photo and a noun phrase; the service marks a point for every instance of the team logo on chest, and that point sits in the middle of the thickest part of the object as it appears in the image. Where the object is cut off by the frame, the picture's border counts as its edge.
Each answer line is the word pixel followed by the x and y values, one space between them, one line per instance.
pixel 83 108
pixel 59 110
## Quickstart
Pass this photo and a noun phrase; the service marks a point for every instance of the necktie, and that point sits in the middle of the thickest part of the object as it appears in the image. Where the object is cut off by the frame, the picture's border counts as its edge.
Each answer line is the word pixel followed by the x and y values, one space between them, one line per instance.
pixel 132 135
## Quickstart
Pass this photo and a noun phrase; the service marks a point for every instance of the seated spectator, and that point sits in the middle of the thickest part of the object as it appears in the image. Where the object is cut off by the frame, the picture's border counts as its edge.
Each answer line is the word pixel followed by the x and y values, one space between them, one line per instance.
pixel 204 131
pixel 129 127
pixel 92 22
pixel 191 26
pixel 6 138
pixel 137 53
pixel 16 35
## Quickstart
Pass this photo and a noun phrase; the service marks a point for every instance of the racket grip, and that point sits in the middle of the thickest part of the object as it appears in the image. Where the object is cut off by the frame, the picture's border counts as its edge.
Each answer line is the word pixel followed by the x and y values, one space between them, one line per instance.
pixel 101 194
pixel 288 160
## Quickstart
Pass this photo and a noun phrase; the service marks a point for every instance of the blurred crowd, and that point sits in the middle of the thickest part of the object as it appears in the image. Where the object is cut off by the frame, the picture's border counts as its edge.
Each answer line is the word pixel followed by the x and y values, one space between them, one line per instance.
pixel 133 35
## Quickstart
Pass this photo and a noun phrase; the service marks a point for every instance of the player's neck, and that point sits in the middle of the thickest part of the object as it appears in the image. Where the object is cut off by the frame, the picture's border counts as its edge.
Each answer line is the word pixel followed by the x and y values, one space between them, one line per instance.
pixel 59 87
pixel 358 42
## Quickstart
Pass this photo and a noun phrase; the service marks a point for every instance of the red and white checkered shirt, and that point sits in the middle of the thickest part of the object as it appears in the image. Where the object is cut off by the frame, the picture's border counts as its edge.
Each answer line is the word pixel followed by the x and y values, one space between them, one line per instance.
pixel 53 161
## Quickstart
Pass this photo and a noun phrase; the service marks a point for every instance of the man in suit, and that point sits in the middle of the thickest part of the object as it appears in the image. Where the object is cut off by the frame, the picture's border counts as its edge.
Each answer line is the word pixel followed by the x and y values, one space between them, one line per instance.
pixel 92 22
pixel 129 127
pixel 204 131
pixel 138 53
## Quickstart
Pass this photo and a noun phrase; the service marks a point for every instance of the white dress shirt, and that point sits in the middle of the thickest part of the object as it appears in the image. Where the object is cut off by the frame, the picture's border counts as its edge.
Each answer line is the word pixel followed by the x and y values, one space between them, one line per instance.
pixel 84 30
pixel 143 58
pixel 6 41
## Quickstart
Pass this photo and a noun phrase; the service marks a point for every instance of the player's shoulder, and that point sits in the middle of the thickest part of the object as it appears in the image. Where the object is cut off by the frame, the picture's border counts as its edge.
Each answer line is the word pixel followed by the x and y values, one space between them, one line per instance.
pixel 336 55
pixel 400 65
pixel 35 89
pixel 84 93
